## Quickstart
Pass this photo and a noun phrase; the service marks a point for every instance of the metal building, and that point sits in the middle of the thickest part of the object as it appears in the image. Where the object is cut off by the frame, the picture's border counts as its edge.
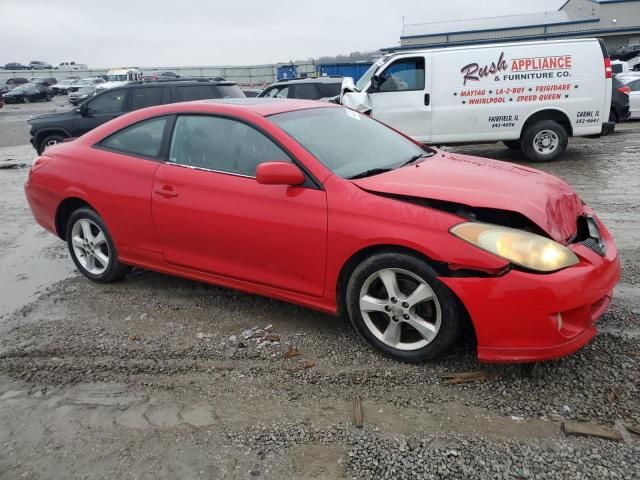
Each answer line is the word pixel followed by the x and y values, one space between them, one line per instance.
pixel 616 21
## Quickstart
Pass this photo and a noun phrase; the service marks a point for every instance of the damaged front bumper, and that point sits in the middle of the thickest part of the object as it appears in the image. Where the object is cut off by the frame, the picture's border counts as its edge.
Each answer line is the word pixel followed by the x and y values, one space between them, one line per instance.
pixel 528 317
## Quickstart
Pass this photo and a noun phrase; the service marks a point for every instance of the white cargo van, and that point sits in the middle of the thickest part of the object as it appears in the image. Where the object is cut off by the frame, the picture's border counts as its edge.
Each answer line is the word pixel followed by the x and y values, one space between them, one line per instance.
pixel 530 95
pixel 116 77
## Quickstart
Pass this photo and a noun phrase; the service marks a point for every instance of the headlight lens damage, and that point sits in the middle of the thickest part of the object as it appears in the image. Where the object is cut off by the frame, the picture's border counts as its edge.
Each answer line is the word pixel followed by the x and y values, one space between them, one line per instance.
pixel 519 247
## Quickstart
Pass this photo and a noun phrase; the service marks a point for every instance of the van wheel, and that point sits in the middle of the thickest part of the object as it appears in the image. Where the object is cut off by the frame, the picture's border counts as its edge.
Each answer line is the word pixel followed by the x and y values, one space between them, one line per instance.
pixel 396 302
pixel 613 116
pixel 544 141
pixel 512 144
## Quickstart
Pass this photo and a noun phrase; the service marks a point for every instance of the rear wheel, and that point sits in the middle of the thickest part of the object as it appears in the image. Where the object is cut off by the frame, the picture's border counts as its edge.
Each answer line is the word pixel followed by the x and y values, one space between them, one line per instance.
pixel 396 302
pixel 92 248
pixel 613 116
pixel 544 141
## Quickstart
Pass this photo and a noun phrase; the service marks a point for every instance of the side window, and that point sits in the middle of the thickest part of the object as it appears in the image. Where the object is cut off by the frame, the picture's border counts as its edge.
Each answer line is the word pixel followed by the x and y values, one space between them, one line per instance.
pixel 277 92
pixel 145 97
pixel 221 144
pixel 108 102
pixel 403 75
pixel 144 138
pixel 306 91
pixel 195 92
pixel 329 89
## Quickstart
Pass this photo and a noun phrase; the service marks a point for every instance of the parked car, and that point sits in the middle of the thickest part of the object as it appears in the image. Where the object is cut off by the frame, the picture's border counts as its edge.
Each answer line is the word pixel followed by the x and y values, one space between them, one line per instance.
pixel 84 82
pixel 80 95
pixel 619 67
pixel 28 92
pixel 15 81
pixel 49 129
pixel 15 66
pixel 619 102
pixel 412 243
pixel 71 66
pixel 117 77
pixel 162 75
pixel 40 65
pixel 632 83
pixel 321 88
pixel 626 53
pixel 252 92
pixel 63 85
pixel 517 93
pixel 48 81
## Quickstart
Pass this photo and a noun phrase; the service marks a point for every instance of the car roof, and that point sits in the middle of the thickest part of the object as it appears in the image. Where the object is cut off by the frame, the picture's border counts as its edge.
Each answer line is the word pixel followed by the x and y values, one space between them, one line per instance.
pixel 260 106
pixel 292 81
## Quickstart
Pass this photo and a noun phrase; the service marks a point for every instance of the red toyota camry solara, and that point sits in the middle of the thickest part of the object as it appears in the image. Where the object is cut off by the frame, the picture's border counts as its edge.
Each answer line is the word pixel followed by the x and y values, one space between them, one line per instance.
pixel 324 207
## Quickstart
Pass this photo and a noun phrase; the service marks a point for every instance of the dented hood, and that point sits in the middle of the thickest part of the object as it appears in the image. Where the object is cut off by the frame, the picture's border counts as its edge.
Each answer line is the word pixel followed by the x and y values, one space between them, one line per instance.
pixel 477 182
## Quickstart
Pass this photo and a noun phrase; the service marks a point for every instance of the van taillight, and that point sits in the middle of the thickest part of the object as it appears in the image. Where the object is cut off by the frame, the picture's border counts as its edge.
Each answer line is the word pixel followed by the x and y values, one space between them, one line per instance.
pixel 608 73
pixel 626 90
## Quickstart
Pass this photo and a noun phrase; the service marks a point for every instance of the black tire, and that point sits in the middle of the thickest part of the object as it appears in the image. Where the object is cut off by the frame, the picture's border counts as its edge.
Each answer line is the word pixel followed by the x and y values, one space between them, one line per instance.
pixel 48 141
pixel 48 98
pixel 512 144
pixel 532 151
pixel 452 312
pixel 26 100
pixel 114 270
pixel 613 116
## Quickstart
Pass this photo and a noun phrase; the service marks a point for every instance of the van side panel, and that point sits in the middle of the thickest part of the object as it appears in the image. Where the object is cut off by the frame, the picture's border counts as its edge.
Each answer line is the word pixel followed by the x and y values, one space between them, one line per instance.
pixel 487 94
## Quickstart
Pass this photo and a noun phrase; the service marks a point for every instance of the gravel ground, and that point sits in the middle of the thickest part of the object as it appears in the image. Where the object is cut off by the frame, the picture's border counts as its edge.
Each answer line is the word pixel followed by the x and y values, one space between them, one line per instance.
pixel 159 377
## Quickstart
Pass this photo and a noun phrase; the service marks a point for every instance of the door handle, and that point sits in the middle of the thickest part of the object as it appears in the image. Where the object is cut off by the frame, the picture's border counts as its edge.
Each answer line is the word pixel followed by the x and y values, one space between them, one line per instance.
pixel 427 99
pixel 166 191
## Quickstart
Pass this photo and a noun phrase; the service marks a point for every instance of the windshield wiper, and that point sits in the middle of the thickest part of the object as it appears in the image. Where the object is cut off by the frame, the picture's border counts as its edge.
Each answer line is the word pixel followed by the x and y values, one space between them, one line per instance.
pixel 415 158
pixel 369 173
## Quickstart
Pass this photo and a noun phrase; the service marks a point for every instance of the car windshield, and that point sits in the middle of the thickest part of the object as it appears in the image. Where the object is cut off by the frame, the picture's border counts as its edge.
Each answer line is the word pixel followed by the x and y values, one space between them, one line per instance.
pixel 364 79
pixel 348 143
pixel 117 78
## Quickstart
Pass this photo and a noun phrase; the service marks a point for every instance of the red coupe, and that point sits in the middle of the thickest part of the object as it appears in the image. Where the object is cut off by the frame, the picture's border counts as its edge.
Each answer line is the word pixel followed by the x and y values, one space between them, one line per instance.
pixel 327 208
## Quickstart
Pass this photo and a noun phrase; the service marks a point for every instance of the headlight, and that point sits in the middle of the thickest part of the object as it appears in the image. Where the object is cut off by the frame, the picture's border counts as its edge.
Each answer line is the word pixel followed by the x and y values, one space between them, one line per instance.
pixel 522 248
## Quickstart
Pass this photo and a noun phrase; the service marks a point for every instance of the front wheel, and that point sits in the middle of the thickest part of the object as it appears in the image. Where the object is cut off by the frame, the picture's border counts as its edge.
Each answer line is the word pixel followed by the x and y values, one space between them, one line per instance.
pixel 92 248
pixel 49 141
pixel 544 141
pixel 396 302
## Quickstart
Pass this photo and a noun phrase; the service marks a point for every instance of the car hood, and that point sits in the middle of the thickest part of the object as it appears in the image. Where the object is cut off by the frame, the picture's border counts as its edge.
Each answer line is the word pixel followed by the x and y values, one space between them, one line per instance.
pixel 477 182
pixel 69 113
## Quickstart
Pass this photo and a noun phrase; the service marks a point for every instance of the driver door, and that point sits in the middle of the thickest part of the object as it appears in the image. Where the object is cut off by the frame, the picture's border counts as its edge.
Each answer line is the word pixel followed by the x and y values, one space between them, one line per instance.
pixel 402 98
pixel 102 108
pixel 213 216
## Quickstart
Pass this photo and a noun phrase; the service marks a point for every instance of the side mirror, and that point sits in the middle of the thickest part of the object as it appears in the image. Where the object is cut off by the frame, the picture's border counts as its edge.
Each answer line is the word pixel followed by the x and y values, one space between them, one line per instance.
pixel 348 85
pixel 279 173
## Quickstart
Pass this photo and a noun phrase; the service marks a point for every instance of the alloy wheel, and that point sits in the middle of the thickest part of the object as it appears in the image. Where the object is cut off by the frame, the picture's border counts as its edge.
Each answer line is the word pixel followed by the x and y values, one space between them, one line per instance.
pixel 90 246
pixel 400 309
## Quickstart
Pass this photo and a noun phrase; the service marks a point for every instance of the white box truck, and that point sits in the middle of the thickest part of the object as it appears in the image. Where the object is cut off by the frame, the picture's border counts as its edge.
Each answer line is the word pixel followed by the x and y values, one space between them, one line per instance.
pixel 530 95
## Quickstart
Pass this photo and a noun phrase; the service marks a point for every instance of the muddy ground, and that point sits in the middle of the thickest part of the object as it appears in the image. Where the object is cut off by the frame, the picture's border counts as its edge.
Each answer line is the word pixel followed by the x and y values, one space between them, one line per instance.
pixel 159 377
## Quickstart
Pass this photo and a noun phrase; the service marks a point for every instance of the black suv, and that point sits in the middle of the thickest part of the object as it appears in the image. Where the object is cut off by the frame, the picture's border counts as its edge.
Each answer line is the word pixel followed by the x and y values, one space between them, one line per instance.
pixel 53 128
pixel 320 88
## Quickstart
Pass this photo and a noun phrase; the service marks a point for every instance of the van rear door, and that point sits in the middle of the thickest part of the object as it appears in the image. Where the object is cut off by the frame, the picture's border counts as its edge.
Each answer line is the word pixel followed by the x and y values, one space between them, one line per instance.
pixel 401 96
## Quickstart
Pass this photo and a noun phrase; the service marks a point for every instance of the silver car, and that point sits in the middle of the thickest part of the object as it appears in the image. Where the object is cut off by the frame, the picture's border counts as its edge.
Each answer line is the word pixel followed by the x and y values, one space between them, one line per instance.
pixel 82 94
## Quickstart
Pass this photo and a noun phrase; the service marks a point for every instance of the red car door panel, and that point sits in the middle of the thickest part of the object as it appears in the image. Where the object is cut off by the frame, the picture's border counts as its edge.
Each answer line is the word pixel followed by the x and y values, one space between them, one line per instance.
pixel 233 226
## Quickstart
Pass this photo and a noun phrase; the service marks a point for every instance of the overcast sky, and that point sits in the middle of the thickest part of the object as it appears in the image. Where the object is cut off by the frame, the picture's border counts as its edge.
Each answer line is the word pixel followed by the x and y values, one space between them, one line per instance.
pixel 103 33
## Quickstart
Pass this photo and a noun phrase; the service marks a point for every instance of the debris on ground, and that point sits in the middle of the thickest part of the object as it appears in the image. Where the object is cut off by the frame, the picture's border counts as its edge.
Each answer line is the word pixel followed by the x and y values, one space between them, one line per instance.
pixel 468 377
pixel 358 420
pixel 291 352
pixel 635 429
pixel 590 430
